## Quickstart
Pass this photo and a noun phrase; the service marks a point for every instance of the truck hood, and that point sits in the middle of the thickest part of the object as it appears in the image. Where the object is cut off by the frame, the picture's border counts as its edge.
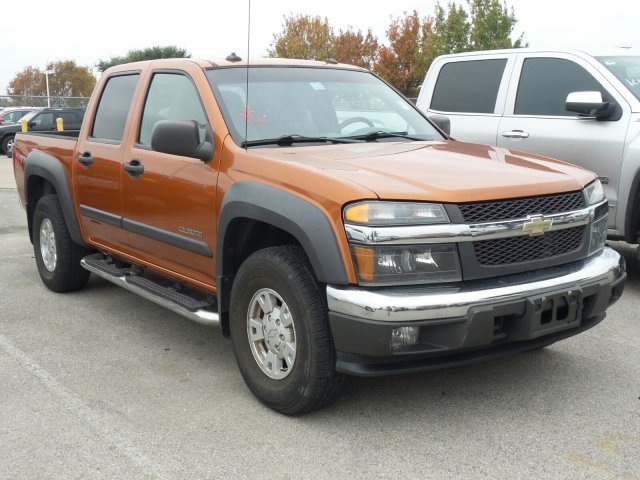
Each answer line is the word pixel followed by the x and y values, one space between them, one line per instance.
pixel 449 171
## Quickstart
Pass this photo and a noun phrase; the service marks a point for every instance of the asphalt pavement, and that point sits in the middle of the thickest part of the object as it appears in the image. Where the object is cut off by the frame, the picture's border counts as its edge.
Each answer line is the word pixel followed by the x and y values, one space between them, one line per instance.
pixel 101 384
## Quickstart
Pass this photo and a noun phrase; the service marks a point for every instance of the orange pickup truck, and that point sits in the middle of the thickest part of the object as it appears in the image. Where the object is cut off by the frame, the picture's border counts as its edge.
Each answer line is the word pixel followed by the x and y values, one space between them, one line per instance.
pixel 326 225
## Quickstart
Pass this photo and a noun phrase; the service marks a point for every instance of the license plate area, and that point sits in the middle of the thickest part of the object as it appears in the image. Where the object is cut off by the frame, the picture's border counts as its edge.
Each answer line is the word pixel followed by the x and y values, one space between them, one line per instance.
pixel 554 312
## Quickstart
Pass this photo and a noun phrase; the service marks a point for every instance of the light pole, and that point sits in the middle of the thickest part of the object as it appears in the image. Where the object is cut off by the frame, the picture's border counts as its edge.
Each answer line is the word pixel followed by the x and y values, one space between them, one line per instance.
pixel 46 76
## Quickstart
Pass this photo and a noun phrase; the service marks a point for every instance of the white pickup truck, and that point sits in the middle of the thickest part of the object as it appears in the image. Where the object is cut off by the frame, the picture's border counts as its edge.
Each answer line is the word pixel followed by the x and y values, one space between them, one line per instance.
pixel 581 107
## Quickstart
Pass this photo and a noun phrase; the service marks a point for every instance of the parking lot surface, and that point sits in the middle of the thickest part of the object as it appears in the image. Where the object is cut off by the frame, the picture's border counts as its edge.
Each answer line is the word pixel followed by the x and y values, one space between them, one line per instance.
pixel 103 384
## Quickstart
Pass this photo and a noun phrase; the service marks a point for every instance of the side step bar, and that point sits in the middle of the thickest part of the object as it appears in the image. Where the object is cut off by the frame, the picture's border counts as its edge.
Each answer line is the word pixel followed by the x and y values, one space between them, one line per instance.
pixel 197 311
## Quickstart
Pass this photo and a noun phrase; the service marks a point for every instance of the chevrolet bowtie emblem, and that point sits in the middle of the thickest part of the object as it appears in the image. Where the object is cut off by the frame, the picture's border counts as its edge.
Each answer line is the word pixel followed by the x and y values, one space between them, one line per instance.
pixel 537 225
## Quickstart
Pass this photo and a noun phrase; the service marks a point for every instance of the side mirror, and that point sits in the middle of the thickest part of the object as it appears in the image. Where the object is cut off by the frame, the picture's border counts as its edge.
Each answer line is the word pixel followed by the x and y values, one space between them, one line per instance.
pixel 442 122
pixel 32 124
pixel 180 138
pixel 589 104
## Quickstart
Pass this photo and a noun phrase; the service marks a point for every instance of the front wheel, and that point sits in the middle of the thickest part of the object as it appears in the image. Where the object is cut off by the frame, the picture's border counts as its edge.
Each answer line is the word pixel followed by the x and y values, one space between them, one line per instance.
pixel 57 256
pixel 280 332
pixel 7 145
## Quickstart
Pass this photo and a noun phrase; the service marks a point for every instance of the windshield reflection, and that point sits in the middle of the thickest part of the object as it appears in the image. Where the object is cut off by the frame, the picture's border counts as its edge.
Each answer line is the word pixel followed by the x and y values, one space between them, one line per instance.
pixel 322 103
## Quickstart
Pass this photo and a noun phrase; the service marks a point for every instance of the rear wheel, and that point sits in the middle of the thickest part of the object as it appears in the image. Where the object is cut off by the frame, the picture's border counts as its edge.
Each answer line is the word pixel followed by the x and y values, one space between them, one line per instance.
pixel 280 332
pixel 57 256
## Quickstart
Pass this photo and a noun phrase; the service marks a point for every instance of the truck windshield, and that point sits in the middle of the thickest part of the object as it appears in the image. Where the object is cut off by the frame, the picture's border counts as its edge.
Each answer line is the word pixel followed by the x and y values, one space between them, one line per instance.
pixel 626 69
pixel 304 105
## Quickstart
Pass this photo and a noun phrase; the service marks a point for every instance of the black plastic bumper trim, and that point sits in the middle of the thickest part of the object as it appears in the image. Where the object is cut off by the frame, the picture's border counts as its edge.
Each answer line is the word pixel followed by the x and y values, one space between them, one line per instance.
pixel 363 367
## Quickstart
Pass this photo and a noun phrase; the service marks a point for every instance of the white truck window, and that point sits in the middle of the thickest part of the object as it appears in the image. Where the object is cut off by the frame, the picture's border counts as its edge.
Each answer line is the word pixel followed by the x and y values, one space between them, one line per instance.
pixel 545 84
pixel 470 86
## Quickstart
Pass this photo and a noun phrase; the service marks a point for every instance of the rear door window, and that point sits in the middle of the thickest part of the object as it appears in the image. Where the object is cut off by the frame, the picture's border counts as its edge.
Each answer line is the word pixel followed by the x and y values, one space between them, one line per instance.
pixel 69 119
pixel 545 84
pixel 113 109
pixel 470 87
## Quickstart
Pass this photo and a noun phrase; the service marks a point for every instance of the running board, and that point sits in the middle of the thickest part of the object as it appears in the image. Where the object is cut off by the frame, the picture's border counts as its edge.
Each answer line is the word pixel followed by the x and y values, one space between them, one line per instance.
pixel 188 307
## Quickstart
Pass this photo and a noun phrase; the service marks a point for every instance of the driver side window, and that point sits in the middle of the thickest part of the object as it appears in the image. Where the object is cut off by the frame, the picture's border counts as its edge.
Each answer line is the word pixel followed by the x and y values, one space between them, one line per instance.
pixel 545 84
pixel 44 121
pixel 171 96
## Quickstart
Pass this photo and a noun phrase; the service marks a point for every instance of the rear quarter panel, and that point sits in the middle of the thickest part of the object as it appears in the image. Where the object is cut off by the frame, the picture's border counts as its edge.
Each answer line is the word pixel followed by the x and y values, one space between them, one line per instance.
pixel 60 148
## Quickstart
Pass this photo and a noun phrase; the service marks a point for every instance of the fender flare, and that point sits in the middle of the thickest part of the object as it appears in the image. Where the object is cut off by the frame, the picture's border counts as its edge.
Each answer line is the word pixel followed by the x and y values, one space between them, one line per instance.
pixel 39 164
pixel 304 221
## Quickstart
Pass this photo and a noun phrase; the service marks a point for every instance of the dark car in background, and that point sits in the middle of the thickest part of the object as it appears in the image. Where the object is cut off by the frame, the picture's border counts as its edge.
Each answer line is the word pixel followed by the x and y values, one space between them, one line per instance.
pixel 14 114
pixel 43 120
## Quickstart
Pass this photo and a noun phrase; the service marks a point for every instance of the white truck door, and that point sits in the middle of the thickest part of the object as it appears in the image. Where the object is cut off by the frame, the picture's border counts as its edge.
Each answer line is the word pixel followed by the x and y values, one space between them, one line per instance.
pixel 535 118
pixel 471 91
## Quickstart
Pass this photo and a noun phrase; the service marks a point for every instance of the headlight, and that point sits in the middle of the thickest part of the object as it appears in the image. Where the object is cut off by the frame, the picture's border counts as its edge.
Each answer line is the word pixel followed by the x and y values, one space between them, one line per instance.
pixel 395 213
pixel 594 193
pixel 403 265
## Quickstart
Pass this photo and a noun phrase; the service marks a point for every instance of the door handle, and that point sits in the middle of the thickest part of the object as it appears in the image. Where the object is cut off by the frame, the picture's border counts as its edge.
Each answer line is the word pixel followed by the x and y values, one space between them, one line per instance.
pixel 134 168
pixel 515 134
pixel 85 159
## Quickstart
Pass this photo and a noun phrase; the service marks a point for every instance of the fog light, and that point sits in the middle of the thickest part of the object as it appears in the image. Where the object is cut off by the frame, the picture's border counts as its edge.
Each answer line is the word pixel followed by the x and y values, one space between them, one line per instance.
pixel 404 337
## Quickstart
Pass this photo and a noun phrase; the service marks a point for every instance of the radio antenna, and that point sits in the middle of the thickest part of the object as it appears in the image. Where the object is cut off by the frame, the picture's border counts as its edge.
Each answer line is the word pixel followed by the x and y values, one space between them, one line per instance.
pixel 247 113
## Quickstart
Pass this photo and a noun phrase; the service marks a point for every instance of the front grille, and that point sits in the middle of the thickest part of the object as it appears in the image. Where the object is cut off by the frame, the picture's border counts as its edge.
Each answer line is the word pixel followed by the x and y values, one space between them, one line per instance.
pixel 521 207
pixel 526 249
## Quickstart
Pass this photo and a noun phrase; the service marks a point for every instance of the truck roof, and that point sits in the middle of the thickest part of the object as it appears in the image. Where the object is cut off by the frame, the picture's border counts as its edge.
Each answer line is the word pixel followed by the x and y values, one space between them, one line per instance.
pixel 593 52
pixel 221 62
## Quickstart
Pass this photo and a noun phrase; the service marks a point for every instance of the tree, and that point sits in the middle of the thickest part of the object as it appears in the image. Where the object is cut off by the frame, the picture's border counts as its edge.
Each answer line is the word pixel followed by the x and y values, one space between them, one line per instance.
pixel 70 80
pixel 400 63
pixel 304 37
pixel 151 53
pixel 487 26
pixel 450 32
pixel 355 48
pixel 67 79
pixel 491 26
pixel 29 82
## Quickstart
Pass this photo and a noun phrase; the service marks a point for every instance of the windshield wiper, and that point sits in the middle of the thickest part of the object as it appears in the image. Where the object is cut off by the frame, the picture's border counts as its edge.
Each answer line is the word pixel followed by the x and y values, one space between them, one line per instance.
pixel 375 135
pixel 287 140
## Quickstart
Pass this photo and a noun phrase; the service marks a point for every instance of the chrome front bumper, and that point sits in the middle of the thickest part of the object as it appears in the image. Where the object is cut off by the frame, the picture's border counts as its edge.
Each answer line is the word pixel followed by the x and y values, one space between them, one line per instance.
pixel 428 303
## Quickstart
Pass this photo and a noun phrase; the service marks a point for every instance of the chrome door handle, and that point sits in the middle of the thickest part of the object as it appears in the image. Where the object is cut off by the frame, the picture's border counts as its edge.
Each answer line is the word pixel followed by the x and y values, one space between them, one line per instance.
pixel 515 134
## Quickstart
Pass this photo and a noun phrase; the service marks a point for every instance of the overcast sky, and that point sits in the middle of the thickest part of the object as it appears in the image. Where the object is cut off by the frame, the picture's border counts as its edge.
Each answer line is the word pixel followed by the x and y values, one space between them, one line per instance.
pixel 86 31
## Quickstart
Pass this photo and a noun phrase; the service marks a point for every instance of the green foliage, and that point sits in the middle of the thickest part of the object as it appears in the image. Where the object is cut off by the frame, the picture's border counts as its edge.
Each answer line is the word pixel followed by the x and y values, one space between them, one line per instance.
pixel 151 53
pixel 450 32
pixel 414 43
pixel 491 25
pixel 484 25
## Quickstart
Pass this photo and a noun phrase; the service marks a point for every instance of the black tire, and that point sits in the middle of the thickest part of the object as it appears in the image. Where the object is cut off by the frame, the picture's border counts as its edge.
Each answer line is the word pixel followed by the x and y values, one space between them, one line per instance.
pixel 312 381
pixel 66 275
pixel 5 143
